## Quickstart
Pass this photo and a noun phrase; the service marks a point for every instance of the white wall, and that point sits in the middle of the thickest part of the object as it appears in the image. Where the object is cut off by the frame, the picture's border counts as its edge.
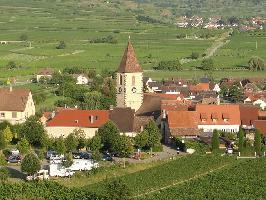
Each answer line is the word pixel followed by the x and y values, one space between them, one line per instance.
pixel 226 128
pixel 57 131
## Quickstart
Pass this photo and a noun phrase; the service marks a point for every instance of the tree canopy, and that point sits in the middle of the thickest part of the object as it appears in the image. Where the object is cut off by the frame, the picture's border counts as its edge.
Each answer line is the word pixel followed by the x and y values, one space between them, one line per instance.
pixel 256 64
pixel 30 164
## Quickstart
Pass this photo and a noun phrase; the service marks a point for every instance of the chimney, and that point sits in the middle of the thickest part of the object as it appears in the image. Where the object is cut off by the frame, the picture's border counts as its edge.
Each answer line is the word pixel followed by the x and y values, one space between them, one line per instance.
pixel 53 114
pixel 164 114
pixel 91 119
pixel 111 107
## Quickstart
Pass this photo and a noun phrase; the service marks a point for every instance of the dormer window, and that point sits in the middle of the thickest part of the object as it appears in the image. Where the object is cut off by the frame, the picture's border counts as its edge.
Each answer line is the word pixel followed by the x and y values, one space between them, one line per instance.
pixel 226 117
pixel 76 121
pixel 214 117
pixel 203 117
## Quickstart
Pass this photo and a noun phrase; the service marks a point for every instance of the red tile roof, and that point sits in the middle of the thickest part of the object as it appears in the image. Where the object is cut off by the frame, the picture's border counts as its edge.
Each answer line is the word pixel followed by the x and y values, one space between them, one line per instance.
pixel 166 96
pixel 200 87
pixel 172 105
pixel 80 118
pixel 129 62
pixel 46 71
pixel 219 112
pixel 182 119
pixel 248 113
pixel 261 125
pixel 14 100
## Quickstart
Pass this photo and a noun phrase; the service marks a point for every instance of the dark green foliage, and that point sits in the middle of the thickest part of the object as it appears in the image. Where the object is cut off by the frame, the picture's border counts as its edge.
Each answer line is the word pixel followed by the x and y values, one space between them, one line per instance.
pixel 108 39
pixel 61 45
pixel 45 190
pixel 73 70
pixel 23 146
pixel 95 143
pixel 194 55
pixel 33 131
pixel 173 65
pixel 256 64
pixel 60 146
pixel 154 135
pixel 109 134
pixel 180 144
pixel 117 190
pixel 71 142
pixel 142 18
pixel 2 141
pixel 30 164
pixel 11 65
pixel 207 64
pixel 257 141
pixel 123 146
pixel 241 139
pixel 23 37
pixel 141 139
pixel 215 141
pixel 235 93
pixel 68 160
pixel 4 174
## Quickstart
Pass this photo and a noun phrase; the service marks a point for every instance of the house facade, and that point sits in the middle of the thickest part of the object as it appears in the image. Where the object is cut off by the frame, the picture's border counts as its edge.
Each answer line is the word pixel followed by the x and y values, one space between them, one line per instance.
pixel 16 105
pixel 66 121
pixel 45 73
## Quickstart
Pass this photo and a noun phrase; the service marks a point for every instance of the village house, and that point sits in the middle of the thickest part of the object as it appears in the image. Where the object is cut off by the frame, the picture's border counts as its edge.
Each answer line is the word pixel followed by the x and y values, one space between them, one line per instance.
pixel 66 121
pixel 16 105
pixel 45 73
pixel 82 79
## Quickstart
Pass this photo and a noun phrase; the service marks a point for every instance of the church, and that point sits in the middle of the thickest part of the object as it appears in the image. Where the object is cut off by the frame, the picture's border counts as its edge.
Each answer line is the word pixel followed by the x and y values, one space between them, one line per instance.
pixel 129 81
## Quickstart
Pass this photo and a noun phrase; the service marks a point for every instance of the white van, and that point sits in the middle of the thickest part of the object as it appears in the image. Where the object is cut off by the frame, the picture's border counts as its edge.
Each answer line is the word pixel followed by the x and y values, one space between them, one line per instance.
pixel 59 170
pixel 82 164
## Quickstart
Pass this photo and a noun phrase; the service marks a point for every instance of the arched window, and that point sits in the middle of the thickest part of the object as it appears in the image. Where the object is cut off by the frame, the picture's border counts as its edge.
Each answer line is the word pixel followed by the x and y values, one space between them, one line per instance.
pixel 121 79
pixel 133 80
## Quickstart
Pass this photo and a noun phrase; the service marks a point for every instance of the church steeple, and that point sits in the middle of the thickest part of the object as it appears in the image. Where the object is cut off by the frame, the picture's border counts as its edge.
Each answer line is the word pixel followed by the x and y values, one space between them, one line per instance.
pixel 129 62
pixel 129 82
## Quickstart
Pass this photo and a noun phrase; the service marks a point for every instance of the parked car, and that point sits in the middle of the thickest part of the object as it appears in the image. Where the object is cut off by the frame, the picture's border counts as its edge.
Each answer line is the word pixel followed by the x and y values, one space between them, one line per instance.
pixel 107 157
pixel 85 155
pixel 56 158
pixel 40 175
pixel 14 159
pixel 76 155
pixel 50 153
pixel 229 151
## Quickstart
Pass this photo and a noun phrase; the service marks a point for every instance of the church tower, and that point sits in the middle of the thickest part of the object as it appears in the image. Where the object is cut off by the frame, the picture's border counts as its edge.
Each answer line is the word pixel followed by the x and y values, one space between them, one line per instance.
pixel 129 81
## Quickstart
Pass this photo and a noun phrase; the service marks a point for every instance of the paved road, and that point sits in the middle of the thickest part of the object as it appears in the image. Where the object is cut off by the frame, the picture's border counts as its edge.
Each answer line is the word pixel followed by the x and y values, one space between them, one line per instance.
pixel 168 153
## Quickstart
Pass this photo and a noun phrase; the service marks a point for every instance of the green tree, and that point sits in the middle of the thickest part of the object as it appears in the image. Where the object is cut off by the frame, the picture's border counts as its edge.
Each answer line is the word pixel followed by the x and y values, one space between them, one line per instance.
pixel 235 93
pixel 117 190
pixel 23 37
pixel 2 141
pixel 257 141
pixel 68 160
pixel 4 174
pixel 33 131
pixel 207 64
pixel 60 145
pixel 124 147
pixel 109 134
pixel 3 161
pixel 23 146
pixel 8 135
pixel 61 45
pixel 141 139
pixel 96 155
pixel 215 140
pixel 95 144
pixel 11 65
pixel 71 142
pixel 194 55
pixel 30 164
pixel 256 64
pixel 241 139
pixel 154 135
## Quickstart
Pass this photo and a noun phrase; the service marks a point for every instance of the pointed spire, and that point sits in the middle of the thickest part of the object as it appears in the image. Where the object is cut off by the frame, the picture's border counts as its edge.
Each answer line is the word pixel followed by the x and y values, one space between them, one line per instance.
pixel 129 62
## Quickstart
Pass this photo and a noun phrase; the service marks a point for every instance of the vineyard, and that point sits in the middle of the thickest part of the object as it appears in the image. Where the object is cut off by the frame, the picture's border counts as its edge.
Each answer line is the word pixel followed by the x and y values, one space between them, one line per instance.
pixel 244 180
pixel 173 171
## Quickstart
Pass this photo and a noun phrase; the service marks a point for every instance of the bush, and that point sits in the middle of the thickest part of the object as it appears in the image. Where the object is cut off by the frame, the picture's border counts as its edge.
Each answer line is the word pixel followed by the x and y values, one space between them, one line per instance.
pixel 108 39
pixel 4 174
pixel 194 55
pixel 173 65
pixel 30 164
pixel 61 45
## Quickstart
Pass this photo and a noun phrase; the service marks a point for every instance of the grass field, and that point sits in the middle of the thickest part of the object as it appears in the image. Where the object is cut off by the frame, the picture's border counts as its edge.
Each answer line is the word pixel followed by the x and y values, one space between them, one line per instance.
pixel 45 26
